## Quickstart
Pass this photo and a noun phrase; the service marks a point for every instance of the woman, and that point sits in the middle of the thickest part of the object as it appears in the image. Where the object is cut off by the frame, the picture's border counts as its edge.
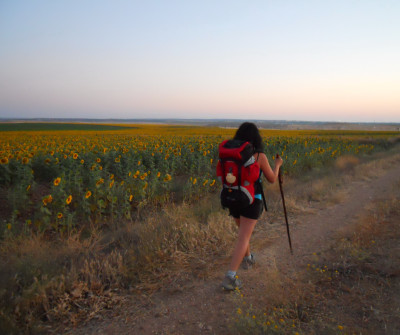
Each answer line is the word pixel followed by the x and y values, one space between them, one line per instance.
pixel 246 218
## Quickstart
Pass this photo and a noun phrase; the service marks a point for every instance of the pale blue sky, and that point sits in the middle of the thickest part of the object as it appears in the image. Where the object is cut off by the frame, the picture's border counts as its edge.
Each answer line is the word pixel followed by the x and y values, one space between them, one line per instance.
pixel 291 60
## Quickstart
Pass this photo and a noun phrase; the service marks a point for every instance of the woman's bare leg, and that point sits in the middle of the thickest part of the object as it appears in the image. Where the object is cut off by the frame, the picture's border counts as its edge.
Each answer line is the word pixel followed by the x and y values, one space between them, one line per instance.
pixel 248 246
pixel 246 227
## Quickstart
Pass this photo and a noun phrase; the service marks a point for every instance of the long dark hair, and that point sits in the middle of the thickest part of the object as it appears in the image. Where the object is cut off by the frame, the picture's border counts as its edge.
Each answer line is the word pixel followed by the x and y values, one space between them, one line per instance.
pixel 248 131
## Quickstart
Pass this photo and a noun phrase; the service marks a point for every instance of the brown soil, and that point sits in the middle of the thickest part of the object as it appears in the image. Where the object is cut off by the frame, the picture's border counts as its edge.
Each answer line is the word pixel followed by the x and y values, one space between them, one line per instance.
pixel 199 306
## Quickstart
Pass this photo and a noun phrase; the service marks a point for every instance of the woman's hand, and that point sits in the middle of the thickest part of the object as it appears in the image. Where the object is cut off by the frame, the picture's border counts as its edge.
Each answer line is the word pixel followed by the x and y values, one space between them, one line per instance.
pixel 278 161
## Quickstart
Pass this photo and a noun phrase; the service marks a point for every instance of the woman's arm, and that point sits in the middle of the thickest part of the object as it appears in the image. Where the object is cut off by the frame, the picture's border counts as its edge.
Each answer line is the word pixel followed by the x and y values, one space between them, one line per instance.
pixel 270 174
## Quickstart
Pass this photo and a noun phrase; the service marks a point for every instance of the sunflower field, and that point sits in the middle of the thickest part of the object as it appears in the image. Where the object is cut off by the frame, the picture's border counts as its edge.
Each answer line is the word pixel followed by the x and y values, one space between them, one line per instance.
pixel 61 180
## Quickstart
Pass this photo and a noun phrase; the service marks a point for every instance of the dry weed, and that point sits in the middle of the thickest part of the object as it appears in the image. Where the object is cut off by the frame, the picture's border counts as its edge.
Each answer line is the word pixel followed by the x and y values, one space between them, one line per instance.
pixel 346 163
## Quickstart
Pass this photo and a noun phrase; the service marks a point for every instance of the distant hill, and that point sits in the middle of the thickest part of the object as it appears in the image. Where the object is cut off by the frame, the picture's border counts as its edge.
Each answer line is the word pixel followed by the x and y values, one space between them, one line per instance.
pixel 266 124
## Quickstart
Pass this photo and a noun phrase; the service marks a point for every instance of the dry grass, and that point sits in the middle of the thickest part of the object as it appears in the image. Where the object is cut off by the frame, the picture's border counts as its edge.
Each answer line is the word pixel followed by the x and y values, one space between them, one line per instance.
pixel 65 281
pixel 346 163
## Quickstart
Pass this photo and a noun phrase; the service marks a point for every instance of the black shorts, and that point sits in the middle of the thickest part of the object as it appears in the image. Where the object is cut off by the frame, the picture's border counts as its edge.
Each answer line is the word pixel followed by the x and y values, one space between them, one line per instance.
pixel 252 211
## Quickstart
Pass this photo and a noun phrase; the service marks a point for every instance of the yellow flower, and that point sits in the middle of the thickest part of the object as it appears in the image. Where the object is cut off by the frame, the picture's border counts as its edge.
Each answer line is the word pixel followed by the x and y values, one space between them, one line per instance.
pixel 25 160
pixel 88 194
pixel 82 161
pixel 205 182
pixel 117 160
pixel 98 160
pixel 194 181
pixel 112 176
pixel 138 163
pixel 57 181
pixel 47 200
pixel 9 226
pixel 28 188
pixel 212 183
pixel 99 182
pixel 69 199
pixel 112 183
pixel 211 161
pixel 158 174
pixel 167 177
pixel 59 215
pixel 340 327
pixel 75 156
pixel 145 185
pixel 130 198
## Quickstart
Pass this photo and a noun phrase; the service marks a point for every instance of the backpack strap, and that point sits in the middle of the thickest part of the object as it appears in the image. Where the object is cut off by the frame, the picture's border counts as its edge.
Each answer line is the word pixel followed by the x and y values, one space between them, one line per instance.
pixel 263 197
pixel 261 187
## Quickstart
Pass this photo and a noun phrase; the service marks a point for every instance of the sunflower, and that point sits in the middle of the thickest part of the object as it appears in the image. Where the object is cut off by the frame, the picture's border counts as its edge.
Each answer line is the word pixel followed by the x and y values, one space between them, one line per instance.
pixel 130 198
pixel 75 156
pixel 46 200
pixel 25 160
pixel 4 160
pixel 99 182
pixel 59 215
pixel 98 160
pixel 69 199
pixel 57 181
pixel 88 194
pixel 167 177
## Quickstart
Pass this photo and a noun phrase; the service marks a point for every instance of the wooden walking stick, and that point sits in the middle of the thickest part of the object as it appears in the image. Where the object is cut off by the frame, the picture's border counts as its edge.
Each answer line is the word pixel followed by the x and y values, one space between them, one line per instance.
pixel 284 208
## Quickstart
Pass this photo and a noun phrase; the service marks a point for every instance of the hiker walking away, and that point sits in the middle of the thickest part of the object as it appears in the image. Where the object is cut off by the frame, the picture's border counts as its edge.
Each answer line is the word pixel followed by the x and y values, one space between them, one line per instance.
pixel 246 218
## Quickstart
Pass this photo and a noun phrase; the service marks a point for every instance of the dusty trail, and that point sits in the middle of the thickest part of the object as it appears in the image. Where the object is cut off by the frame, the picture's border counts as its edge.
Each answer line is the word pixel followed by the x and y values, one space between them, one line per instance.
pixel 200 307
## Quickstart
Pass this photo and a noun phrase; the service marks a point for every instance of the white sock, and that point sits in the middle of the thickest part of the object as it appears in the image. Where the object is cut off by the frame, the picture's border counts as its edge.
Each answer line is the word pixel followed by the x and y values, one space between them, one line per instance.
pixel 231 274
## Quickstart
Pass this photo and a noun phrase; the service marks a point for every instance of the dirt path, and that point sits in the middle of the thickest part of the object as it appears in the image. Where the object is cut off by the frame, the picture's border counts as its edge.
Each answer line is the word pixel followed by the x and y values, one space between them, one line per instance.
pixel 200 307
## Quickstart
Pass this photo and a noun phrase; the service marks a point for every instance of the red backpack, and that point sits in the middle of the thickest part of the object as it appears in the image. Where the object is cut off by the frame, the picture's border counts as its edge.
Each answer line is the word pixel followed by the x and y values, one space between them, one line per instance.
pixel 238 171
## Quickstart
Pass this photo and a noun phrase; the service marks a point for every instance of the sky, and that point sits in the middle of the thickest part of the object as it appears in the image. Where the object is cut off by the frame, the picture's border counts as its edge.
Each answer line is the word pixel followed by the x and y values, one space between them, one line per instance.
pixel 272 60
